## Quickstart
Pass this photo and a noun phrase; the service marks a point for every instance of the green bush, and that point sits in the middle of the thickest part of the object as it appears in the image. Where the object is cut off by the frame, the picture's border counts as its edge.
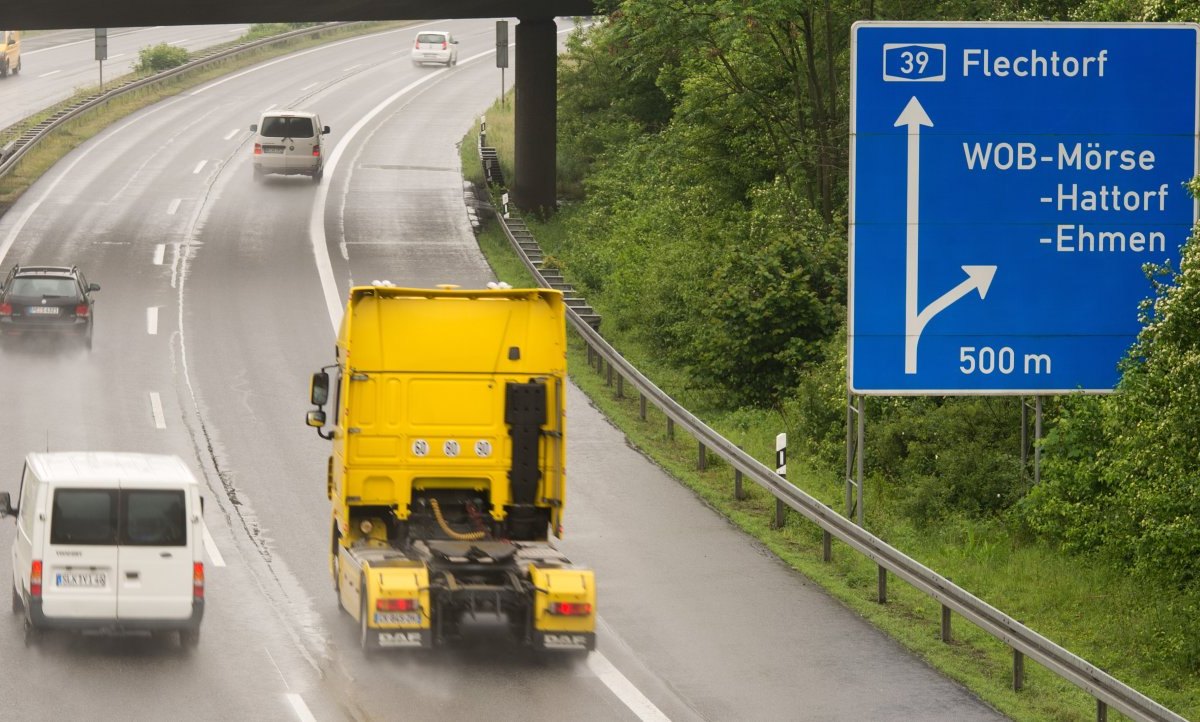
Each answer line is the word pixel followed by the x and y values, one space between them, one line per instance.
pixel 157 58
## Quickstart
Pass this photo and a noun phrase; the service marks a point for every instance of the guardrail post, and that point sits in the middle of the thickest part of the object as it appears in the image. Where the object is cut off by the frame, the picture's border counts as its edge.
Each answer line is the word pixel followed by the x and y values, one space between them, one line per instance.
pixel 670 428
pixel 780 514
pixel 882 584
pixel 826 546
pixel 591 360
pixel 946 636
pixel 1101 711
pixel 1018 670
pixel 642 405
pixel 702 462
pixel 609 379
pixel 738 492
pixel 620 386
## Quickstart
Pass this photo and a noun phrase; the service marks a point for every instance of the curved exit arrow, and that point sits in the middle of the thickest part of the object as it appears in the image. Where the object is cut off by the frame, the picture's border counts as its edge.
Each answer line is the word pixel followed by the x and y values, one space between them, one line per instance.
pixel 979 278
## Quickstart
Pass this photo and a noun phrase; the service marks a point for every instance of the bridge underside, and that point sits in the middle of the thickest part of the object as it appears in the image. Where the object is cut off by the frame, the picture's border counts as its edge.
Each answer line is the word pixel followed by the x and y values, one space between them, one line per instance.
pixel 51 14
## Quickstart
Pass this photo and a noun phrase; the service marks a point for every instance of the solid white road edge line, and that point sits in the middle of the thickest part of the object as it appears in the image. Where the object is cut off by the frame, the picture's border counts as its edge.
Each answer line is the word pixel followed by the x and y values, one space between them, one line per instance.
pixel 152 320
pixel 160 250
pixel 156 411
pixel 299 707
pixel 624 689
pixel 210 546
pixel 604 670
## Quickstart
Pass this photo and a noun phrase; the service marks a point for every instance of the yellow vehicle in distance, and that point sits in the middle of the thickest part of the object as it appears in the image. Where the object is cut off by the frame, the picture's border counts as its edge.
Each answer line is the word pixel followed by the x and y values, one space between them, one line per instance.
pixel 10 52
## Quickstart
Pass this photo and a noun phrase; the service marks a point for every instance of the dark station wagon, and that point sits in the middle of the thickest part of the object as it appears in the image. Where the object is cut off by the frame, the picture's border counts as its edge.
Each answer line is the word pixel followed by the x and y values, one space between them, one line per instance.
pixel 47 299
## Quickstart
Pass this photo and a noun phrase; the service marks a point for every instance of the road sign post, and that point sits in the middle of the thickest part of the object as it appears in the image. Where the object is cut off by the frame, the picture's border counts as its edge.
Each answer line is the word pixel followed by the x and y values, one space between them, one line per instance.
pixel 101 52
pixel 1008 184
pixel 502 53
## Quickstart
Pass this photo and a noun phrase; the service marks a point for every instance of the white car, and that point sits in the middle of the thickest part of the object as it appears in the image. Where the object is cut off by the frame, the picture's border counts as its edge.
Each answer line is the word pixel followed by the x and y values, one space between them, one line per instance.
pixel 288 142
pixel 107 541
pixel 435 46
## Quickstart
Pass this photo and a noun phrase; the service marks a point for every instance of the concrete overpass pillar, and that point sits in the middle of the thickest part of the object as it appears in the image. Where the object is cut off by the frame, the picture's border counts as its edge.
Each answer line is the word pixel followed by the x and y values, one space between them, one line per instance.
pixel 536 122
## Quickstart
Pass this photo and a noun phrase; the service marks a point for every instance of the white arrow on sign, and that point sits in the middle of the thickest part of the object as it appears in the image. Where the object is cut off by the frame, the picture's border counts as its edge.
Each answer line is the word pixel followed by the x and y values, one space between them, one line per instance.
pixel 978 277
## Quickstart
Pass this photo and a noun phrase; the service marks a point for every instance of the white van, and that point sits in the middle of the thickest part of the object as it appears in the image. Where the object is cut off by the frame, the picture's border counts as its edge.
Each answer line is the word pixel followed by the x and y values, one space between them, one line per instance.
pixel 289 142
pixel 108 541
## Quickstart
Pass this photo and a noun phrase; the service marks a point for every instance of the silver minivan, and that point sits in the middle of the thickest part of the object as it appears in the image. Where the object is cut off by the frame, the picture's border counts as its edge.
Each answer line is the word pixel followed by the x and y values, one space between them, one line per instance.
pixel 107 541
pixel 288 142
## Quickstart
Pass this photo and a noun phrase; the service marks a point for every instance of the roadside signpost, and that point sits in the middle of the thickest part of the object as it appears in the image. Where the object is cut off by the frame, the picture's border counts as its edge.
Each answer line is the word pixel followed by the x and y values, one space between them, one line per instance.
pixel 1008 183
pixel 101 52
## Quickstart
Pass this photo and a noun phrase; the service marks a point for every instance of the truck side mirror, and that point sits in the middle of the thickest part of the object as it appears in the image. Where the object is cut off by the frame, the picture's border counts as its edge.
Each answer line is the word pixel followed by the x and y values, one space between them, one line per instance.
pixel 6 504
pixel 254 127
pixel 325 130
pixel 318 390
pixel 316 418
pixel 93 287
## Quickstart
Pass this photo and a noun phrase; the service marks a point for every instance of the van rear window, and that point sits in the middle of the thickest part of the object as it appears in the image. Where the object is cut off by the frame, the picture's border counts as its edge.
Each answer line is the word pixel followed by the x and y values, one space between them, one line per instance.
pixel 153 518
pixel 84 516
pixel 274 126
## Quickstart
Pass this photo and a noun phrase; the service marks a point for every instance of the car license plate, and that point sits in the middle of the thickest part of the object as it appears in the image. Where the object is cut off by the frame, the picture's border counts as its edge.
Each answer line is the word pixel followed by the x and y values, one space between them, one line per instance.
pixel 410 619
pixel 272 148
pixel 80 580
pixel 43 310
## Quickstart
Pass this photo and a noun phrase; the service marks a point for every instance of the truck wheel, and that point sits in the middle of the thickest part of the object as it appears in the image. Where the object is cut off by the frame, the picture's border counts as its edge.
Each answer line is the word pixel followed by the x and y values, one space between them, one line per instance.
pixel 368 637
pixel 18 603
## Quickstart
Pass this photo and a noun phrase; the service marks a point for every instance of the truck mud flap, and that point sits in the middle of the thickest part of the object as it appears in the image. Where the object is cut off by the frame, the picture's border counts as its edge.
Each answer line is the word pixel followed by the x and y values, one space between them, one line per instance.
pixel 401 638
pixel 564 641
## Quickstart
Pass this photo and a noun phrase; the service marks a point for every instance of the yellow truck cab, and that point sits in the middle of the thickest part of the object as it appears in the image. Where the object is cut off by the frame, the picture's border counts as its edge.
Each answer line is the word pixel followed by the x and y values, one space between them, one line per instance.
pixel 447 476
pixel 10 52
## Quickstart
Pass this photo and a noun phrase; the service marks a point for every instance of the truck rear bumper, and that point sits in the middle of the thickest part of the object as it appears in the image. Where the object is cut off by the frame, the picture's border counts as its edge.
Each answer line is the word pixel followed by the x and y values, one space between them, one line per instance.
pixel 564 641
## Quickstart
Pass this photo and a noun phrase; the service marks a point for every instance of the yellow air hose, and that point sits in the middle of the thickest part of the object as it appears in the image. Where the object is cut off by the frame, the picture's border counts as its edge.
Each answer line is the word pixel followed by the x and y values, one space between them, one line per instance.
pixel 459 536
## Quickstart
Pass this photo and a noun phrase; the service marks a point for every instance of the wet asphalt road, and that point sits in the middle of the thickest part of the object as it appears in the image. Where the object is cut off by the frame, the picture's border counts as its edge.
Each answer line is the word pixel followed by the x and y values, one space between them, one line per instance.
pixel 698 621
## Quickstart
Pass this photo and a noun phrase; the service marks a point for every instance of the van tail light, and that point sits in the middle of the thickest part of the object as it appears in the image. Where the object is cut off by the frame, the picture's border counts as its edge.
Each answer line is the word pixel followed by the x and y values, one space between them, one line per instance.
pixel 316 150
pixel 258 149
pixel 82 310
pixel 35 579
pixel 445 45
pixel 5 309
pixel 417 45
pixel 571 609
pixel 198 580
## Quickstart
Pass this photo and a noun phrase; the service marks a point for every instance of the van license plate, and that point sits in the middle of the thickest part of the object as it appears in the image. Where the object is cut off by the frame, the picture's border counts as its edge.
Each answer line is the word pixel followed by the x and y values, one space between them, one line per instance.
pixel 80 580
pixel 272 148
pixel 43 310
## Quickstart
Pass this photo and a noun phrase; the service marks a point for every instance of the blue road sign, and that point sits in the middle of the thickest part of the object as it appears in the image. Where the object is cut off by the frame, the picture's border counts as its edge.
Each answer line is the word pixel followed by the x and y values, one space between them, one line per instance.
pixel 1008 183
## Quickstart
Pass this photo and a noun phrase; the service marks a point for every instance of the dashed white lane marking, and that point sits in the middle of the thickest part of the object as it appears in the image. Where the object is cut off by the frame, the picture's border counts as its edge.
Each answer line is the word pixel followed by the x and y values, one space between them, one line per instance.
pixel 352 67
pixel 231 133
pixel 310 85
pixel 210 546
pixel 47 75
pixel 114 57
pixel 180 42
pixel 152 320
pixel 272 106
pixel 173 207
pixel 156 410
pixel 160 251
pixel 300 708
pixel 200 166
pixel 620 685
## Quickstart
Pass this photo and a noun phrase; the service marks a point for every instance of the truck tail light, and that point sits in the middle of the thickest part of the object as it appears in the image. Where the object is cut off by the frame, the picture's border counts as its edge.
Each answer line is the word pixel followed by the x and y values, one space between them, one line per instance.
pixel 258 149
pixel 570 609
pixel 198 580
pixel 35 579
pixel 396 605
pixel 316 150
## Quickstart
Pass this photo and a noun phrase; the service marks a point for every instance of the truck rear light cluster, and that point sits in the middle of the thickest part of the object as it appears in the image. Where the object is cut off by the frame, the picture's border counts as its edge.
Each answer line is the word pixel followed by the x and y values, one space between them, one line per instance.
pixel 396 605
pixel 35 579
pixel 316 150
pixel 570 609
pixel 198 580
pixel 258 149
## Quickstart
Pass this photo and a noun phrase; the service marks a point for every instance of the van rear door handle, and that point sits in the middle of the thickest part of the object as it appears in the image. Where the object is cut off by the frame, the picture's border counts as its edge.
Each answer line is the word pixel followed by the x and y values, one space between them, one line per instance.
pixel 131 575
pixel 165 555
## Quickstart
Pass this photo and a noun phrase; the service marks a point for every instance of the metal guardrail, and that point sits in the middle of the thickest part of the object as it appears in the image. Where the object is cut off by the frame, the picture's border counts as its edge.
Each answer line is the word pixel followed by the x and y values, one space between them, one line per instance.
pixel 1106 689
pixel 27 142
